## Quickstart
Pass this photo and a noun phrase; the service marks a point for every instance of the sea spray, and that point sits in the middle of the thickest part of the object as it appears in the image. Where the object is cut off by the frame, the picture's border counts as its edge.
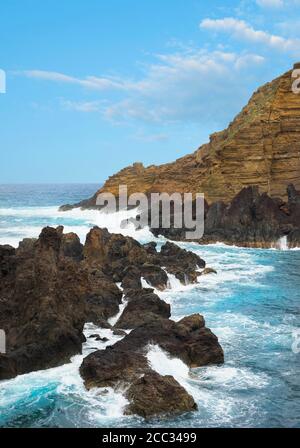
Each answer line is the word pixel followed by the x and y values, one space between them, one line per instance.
pixel 250 305
pixel 114 319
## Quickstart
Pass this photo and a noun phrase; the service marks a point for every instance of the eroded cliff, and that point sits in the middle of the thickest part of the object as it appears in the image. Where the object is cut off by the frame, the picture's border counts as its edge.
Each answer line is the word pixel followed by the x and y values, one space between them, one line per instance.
pixel 261 147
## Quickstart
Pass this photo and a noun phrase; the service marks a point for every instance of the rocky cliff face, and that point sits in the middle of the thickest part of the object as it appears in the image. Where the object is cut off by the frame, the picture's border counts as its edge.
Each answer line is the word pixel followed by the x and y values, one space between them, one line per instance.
pixel 261 147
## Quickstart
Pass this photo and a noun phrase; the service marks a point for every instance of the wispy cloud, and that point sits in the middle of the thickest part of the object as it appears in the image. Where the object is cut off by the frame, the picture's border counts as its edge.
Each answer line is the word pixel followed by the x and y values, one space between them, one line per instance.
pixel 240 29
pixel 81 106
pixel 187 86
pixel 150 138
pixel 278 4
pixel 91 82
pixel 270 3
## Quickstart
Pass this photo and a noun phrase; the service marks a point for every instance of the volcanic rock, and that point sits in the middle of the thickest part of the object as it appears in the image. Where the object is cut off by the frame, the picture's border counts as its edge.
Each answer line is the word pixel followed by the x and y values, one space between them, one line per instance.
pixel 207 271
pixel 42 305
pixel 143 306
pixel 112 368
pixel 187 339
pixel 155 395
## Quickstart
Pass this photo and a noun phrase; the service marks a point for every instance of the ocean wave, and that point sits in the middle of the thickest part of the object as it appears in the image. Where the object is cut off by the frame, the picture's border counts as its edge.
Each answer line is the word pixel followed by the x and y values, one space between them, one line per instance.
pixel 21 395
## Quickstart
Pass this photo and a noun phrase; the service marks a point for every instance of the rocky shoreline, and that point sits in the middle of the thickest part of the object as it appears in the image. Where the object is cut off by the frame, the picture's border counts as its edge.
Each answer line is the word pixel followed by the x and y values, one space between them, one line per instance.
pixel 251 219
pixel 249 174
pixel 52 286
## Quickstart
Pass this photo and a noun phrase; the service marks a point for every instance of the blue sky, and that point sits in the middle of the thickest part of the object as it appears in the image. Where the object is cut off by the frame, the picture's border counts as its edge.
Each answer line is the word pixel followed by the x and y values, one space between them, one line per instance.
pixel 95 85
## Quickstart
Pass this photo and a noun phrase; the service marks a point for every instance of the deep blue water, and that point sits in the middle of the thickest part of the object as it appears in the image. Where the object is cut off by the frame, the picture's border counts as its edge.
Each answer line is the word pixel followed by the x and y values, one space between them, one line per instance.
pixel 252 305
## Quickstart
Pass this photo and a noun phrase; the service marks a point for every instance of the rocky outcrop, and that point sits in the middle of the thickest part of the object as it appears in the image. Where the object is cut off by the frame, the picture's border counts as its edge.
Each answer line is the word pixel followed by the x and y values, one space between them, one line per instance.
pixel 149 394
pixel 51 286
pixel 112 368
pixel 125 260
pixel 124 366
pixel 259 148
pixel 42 307
pixel 143 306
pixel 154 395
pixel 188 340
pixel 251 219
pixel 180 262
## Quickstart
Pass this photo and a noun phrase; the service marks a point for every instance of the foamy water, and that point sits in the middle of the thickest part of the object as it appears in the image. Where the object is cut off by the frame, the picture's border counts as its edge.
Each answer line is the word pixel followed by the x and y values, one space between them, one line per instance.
pixel 251 304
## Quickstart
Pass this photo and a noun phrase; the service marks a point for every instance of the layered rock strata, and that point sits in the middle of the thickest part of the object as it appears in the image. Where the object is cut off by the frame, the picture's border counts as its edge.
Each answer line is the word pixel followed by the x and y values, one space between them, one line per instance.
pixel 260 147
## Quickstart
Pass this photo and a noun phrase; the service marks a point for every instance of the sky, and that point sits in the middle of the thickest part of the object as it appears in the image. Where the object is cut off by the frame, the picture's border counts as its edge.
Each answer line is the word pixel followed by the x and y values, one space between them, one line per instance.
pixel 95 85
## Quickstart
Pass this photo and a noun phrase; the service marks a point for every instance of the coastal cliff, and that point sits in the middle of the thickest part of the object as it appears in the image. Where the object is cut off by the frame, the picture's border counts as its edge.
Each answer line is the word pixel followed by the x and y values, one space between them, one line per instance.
pixel 249 174
pixel 261 147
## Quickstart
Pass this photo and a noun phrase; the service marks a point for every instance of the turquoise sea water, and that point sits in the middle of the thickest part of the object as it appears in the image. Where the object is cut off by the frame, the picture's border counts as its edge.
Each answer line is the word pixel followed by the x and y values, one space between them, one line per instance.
pixel 252 305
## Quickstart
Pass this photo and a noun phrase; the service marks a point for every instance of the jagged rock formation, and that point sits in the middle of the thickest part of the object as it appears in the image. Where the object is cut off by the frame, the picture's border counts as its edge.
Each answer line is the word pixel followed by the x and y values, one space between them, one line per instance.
pixel 153 395
pixel 51 286
pixel 42 308
pixel 251 219
pixel 124 366
pixel 261 147
pixel 143 306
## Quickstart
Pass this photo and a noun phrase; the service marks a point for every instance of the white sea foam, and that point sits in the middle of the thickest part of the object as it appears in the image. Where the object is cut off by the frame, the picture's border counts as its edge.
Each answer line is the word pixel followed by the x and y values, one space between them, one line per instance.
pixel 214 388
pixel 163 364
pixel 82 221
pixel 113 320
pixel 96 404
pixel 145 284
pixel 232 378
pixel 211 387
pixel 174 283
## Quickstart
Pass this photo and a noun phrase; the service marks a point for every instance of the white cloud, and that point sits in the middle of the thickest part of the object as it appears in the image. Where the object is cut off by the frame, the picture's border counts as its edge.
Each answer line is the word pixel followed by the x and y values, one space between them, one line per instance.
pixel 242 30
pixel 191 85
pixel 187 87
pixel 270 3
pixel 92 82
pixel 150 138
pixel 81 106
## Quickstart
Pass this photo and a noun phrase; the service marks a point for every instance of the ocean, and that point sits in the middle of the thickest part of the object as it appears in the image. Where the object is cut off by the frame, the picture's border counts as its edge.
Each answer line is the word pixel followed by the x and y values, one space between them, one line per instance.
pixel 252 305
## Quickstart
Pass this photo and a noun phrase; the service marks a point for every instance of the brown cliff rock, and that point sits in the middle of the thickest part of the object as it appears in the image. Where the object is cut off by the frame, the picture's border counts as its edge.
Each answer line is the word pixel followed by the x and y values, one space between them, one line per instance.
pixel 260 147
